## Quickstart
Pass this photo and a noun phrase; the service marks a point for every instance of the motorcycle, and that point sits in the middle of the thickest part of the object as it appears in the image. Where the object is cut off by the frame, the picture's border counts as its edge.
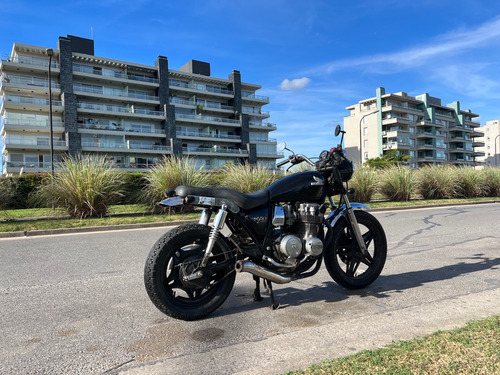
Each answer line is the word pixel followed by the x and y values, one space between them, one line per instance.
pixel 278 234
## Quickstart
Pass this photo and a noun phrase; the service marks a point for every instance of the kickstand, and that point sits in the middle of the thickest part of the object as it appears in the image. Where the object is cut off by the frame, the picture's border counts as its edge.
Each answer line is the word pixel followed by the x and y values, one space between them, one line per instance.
pixel 256 293
pixel 269 287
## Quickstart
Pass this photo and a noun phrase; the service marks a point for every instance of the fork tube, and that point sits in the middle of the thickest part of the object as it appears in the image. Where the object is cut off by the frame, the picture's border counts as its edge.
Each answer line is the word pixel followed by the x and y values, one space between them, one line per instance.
pixel 351 218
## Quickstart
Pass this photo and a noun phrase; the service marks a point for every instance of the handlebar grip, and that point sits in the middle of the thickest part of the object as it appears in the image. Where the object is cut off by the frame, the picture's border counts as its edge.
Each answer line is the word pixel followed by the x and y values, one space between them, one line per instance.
pixel 282 163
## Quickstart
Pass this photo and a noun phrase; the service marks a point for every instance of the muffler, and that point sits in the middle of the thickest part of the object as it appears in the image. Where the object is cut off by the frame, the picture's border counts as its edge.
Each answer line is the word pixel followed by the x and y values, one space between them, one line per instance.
pixel 254 269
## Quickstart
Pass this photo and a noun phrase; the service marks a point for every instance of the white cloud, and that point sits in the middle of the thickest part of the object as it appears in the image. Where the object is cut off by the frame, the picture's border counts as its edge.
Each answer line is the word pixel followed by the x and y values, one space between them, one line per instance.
pixel 445 45
pixel 295 84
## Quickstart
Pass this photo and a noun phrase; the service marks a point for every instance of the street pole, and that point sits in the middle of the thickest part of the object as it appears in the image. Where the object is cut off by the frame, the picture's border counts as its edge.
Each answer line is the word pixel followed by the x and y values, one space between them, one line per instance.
pixel 496 164
pixel 361 136
pixel 50 53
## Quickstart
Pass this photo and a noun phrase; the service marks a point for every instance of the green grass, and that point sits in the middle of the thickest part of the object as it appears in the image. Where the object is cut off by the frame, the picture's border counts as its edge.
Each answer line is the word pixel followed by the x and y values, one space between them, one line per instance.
pixel 45 218
pixel 472 349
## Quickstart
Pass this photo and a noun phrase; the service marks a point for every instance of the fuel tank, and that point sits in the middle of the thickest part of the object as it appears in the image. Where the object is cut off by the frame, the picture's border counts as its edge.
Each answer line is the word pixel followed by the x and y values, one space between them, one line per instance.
pixel 301 186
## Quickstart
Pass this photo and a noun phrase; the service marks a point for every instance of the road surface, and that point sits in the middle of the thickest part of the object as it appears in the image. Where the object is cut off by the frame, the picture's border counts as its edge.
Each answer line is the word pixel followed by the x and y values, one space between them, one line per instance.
pixel 76 304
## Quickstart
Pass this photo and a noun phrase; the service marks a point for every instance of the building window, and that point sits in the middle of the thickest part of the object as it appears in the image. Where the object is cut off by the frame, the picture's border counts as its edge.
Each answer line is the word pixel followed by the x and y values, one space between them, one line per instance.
pixel 365 143
pixel 365 131
pixel 366 155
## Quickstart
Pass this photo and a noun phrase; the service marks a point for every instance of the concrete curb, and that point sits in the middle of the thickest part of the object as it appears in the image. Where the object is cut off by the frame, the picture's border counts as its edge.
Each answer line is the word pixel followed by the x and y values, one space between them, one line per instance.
pixel 45 232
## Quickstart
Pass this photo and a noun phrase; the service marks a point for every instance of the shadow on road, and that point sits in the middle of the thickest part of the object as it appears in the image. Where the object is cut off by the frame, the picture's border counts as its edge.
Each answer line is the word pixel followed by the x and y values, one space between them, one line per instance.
pixel 330 292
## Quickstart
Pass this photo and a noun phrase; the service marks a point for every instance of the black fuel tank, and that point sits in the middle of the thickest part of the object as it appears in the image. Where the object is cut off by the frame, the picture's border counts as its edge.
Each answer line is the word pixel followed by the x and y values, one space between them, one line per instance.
pixel 300 186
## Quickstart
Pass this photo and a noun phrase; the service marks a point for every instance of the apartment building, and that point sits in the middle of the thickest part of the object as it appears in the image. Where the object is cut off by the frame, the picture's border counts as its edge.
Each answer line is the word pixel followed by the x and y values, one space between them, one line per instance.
pixel 132 113
pixel 419 127
pixel 491 145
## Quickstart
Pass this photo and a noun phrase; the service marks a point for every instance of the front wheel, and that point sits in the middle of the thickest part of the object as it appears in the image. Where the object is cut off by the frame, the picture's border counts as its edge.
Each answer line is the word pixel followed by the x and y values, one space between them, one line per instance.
pixel 178 254
pixel 345 262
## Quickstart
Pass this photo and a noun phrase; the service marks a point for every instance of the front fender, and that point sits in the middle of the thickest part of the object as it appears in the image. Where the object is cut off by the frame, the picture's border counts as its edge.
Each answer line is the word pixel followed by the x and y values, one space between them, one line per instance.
pixel 339 212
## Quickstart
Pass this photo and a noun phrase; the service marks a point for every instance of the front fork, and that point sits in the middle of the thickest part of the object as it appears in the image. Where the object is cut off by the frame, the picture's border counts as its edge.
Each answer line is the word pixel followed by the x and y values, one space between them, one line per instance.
pixel 353 222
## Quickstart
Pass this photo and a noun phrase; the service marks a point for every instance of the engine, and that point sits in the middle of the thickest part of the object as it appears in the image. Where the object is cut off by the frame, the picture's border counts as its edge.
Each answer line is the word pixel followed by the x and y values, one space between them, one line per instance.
pixel 296 233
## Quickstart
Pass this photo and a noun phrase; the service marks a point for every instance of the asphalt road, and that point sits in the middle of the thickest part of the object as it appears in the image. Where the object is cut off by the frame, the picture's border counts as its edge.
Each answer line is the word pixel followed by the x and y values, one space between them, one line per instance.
pixel 76 304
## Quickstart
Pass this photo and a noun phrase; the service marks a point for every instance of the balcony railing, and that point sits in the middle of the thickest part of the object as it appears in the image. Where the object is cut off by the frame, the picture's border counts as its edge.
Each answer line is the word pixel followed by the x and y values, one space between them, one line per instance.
pixel 125 145
pixel 26 60
pixel 213 150
pixel 115 74
pixel 28 165
pixel 206 118
pixel 115 108
pixel 34 142
pixel 207 135
pixel 199 87
pixel 38 123
pixel 263 124
pixel 251 95
pixel 29 81
pixel 119 128
pixel 120 93
pixel 29 100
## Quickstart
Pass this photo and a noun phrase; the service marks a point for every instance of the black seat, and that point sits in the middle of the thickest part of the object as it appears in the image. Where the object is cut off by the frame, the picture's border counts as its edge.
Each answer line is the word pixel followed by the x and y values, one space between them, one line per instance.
pixel 244 201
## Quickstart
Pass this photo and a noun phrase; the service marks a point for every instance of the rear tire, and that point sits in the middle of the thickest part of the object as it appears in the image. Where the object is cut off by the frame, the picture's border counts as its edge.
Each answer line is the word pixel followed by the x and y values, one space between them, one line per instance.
pixel 178 253
pixel 344 260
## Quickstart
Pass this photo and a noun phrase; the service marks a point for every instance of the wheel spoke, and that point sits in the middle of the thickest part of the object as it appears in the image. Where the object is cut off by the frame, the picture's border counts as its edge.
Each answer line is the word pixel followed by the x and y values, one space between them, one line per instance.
pixel 368 238
pixel 351 267
pixel 367 259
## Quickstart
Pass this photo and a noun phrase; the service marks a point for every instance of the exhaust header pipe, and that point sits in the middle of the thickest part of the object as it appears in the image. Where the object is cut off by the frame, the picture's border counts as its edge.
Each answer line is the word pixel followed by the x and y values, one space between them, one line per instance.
pixel 254 269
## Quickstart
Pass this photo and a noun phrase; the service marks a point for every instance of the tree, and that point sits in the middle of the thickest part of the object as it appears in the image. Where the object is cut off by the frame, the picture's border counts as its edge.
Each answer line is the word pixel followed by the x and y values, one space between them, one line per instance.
pixel 391 157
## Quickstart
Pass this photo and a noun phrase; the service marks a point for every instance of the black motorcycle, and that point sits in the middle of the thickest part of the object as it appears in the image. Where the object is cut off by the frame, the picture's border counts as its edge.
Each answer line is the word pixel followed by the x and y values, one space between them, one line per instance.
pixel 279 234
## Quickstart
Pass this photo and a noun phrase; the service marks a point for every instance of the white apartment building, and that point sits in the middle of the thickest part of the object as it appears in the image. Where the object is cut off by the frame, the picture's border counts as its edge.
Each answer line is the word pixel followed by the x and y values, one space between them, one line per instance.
pixel 132 113
pixel 491 144
pixel 420 127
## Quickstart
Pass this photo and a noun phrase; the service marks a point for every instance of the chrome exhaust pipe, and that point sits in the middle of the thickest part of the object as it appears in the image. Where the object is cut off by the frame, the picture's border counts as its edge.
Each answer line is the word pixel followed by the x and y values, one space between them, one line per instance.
pixel 254 269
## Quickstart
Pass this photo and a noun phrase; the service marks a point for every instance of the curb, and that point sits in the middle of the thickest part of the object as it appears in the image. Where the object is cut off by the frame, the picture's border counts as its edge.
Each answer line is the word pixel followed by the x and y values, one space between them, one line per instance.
pixel 43 232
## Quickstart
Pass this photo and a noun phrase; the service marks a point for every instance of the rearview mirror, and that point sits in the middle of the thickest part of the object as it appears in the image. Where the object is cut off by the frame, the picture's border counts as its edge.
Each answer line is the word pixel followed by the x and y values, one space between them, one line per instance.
pixel 337 130
pixel 281 146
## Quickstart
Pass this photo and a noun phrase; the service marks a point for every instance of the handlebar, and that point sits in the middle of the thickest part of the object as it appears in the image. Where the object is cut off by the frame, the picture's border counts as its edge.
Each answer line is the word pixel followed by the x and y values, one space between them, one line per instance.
pixel 295 159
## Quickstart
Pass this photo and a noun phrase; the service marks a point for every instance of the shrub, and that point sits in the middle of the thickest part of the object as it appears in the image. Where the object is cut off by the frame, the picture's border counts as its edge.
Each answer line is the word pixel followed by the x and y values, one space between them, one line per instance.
pixel 246 177
pixel 436 182
pixel 7 192
pixel 364 181
pixel 468 182
pixel 83 186
pixel 397 183
pixel 170 173
pixel 133 185
pixel 490 182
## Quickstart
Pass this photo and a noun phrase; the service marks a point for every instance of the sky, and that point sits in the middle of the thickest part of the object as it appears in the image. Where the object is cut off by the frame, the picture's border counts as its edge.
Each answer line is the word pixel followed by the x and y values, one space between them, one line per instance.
pixel 312 58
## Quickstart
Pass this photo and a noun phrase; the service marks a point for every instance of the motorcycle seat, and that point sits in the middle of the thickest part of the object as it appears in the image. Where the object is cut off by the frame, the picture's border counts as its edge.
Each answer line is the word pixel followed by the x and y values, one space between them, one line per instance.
pixel 242 200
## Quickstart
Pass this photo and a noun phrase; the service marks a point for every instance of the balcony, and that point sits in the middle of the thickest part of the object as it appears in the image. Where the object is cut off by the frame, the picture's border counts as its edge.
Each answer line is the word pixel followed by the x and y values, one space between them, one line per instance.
pixel 99 145
pixel 198 135
pixel 29 103
pixel 104 91
pixel 263 125
pixel 114 75
pixel 252 97
pixel 130 111
pixel 176 84
pixel 32 61
pixel 205 119
pixel 34 144
pixel 35 125
pixel 214 151
pixel 112 128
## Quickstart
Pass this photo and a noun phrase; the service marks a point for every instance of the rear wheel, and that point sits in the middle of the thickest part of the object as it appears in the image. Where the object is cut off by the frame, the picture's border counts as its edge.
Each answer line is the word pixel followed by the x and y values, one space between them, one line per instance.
pixel 345 262
pixel 177 254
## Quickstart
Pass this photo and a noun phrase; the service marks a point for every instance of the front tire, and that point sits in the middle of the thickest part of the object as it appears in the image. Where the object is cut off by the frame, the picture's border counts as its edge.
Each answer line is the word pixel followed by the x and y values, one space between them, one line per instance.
pixel 344 260
pixel 176 254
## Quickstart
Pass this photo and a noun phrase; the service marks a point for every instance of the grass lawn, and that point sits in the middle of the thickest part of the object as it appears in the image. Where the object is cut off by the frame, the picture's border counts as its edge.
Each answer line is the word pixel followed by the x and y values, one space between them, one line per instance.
pixel 473 349
pixel 46 218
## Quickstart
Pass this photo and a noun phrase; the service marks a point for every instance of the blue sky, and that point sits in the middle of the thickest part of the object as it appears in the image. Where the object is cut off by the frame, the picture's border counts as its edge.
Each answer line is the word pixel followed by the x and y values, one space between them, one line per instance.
pixel 313 58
